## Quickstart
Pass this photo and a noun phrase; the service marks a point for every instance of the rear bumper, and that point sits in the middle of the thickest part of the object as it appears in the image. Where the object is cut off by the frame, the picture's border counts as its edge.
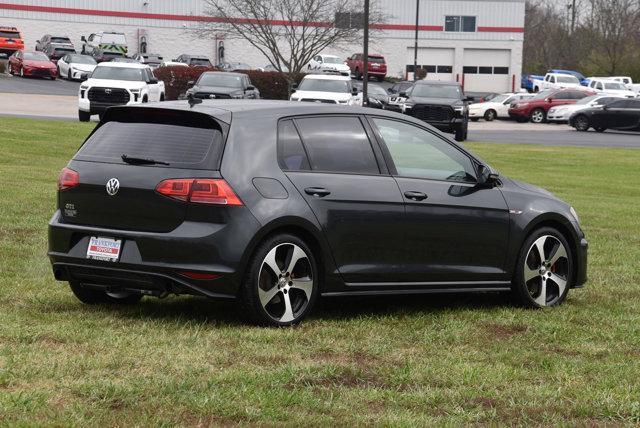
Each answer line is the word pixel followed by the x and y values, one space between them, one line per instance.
pixel 157 261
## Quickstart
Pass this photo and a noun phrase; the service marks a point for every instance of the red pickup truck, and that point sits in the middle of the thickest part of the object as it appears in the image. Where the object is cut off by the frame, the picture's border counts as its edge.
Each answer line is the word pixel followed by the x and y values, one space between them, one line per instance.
pixel 377 66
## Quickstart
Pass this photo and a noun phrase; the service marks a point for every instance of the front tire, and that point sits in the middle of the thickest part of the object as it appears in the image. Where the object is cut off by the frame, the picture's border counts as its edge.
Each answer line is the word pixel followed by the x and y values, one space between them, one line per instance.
pixel 281 283
pixel 461 133
pixel 581 123
pixel 92 296
pixel 9 69
pixel 22 72
pixel 538 116
pixel 84 116
pixel 544 269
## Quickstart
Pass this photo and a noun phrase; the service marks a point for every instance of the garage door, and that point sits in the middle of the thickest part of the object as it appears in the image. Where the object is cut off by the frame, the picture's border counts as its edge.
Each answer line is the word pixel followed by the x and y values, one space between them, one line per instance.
pixel 487 70
pixel 437 61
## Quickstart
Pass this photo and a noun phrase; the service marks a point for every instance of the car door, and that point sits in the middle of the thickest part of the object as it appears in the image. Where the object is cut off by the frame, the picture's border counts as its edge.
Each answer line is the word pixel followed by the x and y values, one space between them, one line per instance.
pixel 154 88
pixel 454 230
pixel 622 114
pixel 341 175
pixel 502 109
pixel 561 98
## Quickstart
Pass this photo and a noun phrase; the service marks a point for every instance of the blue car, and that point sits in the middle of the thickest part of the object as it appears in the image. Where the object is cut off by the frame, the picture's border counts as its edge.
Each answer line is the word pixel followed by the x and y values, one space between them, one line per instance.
pixel 526 81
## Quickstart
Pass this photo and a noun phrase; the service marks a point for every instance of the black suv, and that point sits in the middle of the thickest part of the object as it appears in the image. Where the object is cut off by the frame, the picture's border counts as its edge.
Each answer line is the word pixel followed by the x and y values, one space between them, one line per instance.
pixel 222 85
pixel 440 104
pixel 275 203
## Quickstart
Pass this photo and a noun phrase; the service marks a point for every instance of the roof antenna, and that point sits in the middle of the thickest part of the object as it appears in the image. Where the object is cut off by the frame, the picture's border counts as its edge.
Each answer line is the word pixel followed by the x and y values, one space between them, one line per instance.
pixel 193 100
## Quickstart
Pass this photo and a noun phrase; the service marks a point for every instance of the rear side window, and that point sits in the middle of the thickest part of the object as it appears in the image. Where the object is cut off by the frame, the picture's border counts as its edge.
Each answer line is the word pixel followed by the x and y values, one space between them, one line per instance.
pixel 292 154
pixel 180 146
pixel 337 144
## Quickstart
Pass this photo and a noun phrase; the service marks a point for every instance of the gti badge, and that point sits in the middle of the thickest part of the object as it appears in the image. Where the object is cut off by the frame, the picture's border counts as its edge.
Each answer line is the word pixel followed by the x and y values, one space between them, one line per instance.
pixel 212 95
pixel 107 91
pixel 113 186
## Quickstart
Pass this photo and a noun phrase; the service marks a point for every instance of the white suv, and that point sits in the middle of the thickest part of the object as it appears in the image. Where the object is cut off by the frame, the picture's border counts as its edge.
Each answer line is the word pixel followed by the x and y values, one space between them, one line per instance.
pixel 331 89
pixel 117 83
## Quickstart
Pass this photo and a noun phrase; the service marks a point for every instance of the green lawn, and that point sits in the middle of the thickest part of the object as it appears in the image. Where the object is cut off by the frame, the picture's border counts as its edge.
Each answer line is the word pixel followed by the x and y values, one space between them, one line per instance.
pixel 399 361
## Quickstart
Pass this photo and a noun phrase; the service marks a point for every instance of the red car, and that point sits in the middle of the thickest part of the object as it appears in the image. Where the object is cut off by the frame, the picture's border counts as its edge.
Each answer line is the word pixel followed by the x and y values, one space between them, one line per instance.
pixel 377 66
pixel 32 63
pixel 536 108
pixel 10 40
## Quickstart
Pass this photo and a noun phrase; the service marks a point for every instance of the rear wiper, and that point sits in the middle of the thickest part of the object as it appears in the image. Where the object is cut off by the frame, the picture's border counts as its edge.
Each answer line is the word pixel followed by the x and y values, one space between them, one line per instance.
pixel 142 161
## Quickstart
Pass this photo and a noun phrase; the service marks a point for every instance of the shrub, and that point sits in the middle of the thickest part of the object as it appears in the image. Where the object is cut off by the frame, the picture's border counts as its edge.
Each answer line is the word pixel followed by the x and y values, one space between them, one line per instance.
pixel 271 84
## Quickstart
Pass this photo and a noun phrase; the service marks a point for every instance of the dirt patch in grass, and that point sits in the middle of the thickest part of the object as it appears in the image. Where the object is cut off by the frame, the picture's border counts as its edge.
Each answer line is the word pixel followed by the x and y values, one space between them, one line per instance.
pixel 500 331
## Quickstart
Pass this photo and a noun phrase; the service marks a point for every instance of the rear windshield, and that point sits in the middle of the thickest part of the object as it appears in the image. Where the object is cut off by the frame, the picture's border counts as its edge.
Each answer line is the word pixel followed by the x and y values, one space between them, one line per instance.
pixel 60 40
pixel 200 61
pixel 113 39
pixel 180 146
pixel 10 34
pixel 376 59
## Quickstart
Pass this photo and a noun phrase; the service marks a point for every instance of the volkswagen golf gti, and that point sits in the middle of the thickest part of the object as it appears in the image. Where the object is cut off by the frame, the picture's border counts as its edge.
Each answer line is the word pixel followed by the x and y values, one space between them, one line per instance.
pixel 275 204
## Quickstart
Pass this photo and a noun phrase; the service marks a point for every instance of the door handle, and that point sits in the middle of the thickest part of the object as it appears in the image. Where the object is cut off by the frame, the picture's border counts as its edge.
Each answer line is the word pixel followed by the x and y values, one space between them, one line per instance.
pixel 415 196
pixel 317 191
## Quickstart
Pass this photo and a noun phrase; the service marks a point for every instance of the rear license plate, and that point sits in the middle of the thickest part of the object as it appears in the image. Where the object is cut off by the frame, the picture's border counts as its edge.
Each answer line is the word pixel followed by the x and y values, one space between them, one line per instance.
pixel 105 249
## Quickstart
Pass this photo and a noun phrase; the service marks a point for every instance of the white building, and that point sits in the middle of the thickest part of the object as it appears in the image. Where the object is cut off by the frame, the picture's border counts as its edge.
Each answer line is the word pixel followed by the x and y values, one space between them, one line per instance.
pixel 477 42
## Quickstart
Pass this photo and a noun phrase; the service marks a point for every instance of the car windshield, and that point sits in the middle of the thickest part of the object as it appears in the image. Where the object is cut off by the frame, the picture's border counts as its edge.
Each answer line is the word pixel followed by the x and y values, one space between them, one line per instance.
pixel 332 60
pixel 224 80
pixel 200 61
pixel 82 59
pixel 614 85
pixel 567 79
pixel 437 91
pixel 376 90
pixel 499 98
pixel 118 73
pixel 322 85
pixel 60 40
pixel 10 34
pixel 35 56
pixel 587 100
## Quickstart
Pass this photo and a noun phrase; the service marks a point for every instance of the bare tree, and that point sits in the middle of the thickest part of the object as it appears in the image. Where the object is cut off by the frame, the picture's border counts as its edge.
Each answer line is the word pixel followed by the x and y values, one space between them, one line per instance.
pixel 289 33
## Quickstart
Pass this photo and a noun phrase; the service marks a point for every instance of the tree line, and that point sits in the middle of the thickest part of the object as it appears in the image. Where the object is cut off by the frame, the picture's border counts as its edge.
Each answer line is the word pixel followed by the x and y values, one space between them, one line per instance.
pixel 595 37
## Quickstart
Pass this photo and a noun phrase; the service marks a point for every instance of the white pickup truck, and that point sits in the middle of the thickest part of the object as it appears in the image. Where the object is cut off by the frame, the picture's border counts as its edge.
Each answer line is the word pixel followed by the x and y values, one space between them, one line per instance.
pixel 626 81
pixel 117 83
pixel 556 81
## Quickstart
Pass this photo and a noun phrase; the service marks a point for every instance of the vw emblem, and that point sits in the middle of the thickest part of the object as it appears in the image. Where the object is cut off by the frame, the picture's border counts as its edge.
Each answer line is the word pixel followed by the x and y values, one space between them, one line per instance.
pixel 113 186
pixel 107 91
pixel 212 95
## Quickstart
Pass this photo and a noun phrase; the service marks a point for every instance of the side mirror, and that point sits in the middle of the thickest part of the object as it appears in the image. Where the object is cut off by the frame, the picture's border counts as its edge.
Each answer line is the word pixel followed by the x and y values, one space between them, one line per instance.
pixel 250 88
pixel 354 91
pixel 391 91
pixel 190 83
pixel 153 81
pixel 83 38
pixel 487 176
pixel 403 94
pixel 294 86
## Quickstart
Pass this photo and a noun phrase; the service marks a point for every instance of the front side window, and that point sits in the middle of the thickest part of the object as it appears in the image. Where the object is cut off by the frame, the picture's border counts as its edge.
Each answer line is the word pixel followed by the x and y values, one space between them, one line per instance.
pixel 337 144
pixel 417 153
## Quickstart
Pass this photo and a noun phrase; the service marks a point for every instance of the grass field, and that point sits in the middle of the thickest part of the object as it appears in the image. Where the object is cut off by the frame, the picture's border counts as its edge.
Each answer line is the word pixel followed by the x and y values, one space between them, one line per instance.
pixel 393 361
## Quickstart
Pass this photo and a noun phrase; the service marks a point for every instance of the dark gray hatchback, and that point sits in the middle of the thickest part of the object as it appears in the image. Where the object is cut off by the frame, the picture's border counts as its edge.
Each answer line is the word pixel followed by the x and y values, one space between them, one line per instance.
pixel 277 203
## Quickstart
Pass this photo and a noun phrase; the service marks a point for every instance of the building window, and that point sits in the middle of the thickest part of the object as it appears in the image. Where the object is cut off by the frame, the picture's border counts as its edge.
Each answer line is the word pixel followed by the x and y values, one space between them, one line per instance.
pixel 470 70
pixel 500 70
pixel 349 20
pixel 465 24
pixel 430 68
pixel 445 69
pixel 485 70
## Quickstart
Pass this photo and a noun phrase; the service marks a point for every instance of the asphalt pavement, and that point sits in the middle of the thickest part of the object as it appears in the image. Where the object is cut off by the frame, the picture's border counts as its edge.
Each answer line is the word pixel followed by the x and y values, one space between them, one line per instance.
pixel 47 99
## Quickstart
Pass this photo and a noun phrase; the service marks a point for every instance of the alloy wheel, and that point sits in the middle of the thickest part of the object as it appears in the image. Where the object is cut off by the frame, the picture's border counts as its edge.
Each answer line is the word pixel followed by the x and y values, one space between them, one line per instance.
pixel 546 270
pixel 490 115
pixel 581 123
pixel 285 282
pixel 537 116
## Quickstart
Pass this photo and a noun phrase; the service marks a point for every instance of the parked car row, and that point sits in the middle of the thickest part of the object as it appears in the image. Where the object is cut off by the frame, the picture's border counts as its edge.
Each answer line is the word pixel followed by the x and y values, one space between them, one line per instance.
pixel 563 79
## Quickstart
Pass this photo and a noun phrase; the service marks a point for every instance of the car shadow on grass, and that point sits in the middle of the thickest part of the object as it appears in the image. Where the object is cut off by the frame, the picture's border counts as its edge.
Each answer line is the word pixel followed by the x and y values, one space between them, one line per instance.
pixel 201 310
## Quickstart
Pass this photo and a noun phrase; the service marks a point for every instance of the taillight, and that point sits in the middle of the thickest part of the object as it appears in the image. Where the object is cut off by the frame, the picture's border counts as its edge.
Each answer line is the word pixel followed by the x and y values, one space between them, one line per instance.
pixel 67 179
pixel 199 190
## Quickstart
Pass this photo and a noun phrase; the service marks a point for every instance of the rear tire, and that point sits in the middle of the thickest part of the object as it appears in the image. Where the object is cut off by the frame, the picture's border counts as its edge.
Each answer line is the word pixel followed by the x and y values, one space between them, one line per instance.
pixel 91 296
pixel 490 115
pixel 357 74
pixel 276 292
pixel 380 78
pixel 544 270
pixel 84 116
pixel 461 133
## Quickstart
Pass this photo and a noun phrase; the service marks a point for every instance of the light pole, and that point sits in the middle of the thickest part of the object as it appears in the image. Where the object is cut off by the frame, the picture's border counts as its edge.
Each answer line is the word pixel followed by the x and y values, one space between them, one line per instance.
pixel 415 44
pixel 365 55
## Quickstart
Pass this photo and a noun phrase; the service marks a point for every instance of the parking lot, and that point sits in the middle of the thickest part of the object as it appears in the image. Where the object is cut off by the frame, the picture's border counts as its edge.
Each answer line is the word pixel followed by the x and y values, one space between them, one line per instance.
pixel 40 98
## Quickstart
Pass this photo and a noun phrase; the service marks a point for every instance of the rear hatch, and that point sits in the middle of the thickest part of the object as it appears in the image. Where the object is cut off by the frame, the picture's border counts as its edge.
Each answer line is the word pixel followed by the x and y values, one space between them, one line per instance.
pixel 377 64
pixel 117 194
pixel 10 39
